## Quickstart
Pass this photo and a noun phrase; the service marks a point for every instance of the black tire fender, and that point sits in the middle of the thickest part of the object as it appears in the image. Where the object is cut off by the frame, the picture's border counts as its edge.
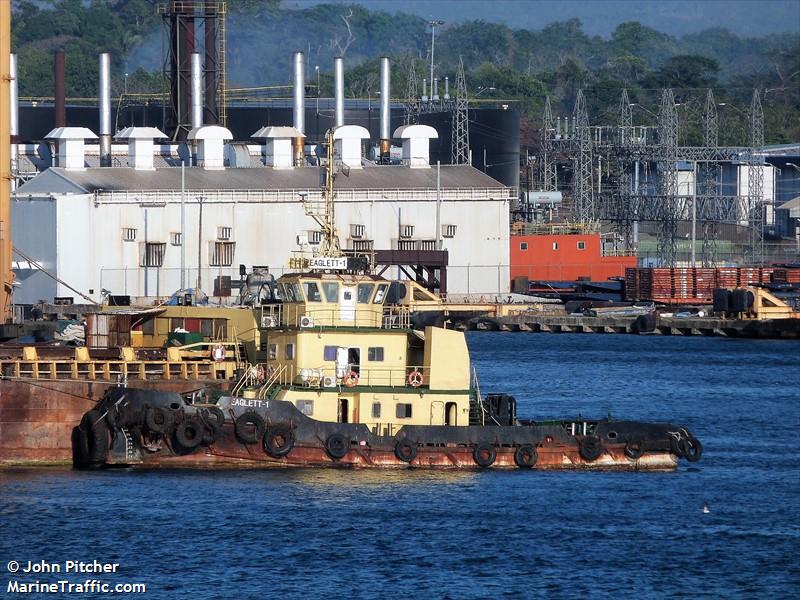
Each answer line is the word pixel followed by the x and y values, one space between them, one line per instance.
pixel 694 449
pixel 590 447
pixel 634 449
pixel 158 419
pixel 337 445
pixel 278 441
pixel 80 448
pixel 215 414
pixel 189 432
pixel 211 432
pixel 525 456
pixel 405 450
pixel 249 427
pixel 484 454
pixel 97 437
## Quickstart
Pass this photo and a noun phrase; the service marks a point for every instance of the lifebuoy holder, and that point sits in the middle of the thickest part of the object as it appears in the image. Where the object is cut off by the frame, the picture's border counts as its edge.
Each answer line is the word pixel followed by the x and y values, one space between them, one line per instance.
pixel 351 379
pixel 218 353
pixel 416 378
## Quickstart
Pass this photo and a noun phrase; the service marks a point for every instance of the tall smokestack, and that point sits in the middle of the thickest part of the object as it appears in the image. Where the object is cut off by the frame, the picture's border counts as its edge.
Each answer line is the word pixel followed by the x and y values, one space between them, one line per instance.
pixel 60 90
pixel 104 93
pixel 386 94
pixel 211 110
pixel 447 88
pixel 13 121
pixel 435 89
pixel 299 105
pixel 338 76
pixel 197 92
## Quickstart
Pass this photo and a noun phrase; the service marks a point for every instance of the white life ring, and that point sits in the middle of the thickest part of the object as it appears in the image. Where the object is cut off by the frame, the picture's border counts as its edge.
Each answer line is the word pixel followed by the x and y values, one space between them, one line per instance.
pixel 218 353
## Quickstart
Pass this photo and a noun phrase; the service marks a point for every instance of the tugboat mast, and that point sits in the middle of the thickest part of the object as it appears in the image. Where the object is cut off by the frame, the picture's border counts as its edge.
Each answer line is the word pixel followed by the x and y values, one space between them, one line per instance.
pixel 329 246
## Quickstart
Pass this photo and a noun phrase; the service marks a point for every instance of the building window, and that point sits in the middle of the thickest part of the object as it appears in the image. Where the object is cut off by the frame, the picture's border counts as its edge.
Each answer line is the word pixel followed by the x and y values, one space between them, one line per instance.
pixel 129 234
pixel 523 245
pixel 273 352
pixel 289 352
pixel 176 238
pixel 406 244
pixel 406 231
pixel 581 245
pixel 356 231
pixel 427 245
pixel 224 233
pixel 305 406
pixel 329 353
pixel 152 254
pixel 149 327
pixel 555 245
pixel 404 411
pixel 222 254
pixel 221 329
pixel 376 410
pixel 363 245
pixel 449 231
pixel 314 236
pixel 375 354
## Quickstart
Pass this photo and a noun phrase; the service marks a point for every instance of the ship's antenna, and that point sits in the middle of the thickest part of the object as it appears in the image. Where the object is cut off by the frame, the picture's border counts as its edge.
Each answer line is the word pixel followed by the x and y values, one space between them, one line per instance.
pixel 324 213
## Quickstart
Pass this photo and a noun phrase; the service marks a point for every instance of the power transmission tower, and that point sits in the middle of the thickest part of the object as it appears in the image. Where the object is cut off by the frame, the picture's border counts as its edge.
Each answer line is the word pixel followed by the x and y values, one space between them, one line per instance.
pixel 755 180
pixel 459 145
pixel 623 200
pixel 411 116
pixel 547 165
pixel 707 184
pixel 582 190
pixel 667 171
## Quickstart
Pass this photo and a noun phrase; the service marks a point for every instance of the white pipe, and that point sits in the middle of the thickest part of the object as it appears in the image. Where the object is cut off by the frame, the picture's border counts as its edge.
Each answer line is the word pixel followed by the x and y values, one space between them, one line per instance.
pixel 338 75
pixel 299 82
pixel 386 92
pixel 105 109
pixel 13 121
pixel 197 91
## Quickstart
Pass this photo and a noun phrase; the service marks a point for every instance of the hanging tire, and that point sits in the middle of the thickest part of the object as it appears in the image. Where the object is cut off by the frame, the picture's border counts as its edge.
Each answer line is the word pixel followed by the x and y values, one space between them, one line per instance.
pixel 211 432
pixel 405 450
pixel 158 420
pixel 634 449
pixel 189 432
pixel 678 446
pixel 590 448
pixel 278 441
pixel 694 449
pixel 215 414
pixel 337 446
pixel 525 456
pixel 97 436
pixel 249 427
pixel 484 454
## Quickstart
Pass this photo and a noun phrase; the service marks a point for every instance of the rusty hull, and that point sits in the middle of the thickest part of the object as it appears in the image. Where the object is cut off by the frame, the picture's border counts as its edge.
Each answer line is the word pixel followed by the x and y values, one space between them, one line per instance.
pixel 37 415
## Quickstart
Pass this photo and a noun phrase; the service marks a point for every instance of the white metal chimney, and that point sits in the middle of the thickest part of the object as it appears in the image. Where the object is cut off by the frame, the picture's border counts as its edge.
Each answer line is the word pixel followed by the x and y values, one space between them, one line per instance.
pixel 435 89
pixel 424 90
pixel 386 94
pixel 447 88
pixel 140 146
pixel 347 144
pixel 197 91
pixel 210 141
pixel 13 121
pixel 416 144
pixel 70 145
pixel 104 93
pixel 338 77
pixel 277 147
pixel 299 105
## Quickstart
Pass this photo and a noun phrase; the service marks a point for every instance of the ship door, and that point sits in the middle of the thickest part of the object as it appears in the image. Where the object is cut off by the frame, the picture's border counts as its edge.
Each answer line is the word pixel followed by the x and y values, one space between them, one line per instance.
pixel 341 415
pixel 347 303
pixel 450 413
pixel 437 412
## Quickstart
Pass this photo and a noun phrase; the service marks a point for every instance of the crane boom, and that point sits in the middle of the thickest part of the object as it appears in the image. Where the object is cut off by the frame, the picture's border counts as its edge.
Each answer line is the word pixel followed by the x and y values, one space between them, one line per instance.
pixel 6 274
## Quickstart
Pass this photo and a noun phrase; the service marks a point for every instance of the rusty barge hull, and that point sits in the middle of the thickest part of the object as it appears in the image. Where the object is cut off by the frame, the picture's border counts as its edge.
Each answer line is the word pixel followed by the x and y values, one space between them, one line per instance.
pixel 37 415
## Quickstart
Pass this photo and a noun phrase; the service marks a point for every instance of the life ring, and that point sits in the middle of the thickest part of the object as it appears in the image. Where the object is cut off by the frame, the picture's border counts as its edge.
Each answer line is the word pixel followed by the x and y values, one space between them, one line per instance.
pixel 218 353
pixel 351 379
pixel 249 427
pixel 415 378
pixel 634 449
pixel 158 420
pixel 278 441
pixel 589 448
pixel 484 454
pixel 337 445
pixel 525 456
pixel 189 433
pixel 97 438
pixel 405 450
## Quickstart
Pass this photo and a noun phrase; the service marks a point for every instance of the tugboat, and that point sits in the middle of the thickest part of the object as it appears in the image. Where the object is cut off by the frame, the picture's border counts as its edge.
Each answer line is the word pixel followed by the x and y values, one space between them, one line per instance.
pixel 349 382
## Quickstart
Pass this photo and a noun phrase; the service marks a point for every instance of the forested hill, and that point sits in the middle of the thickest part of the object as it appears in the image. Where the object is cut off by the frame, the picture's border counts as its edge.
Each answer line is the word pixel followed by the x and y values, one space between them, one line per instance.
pixel 516 64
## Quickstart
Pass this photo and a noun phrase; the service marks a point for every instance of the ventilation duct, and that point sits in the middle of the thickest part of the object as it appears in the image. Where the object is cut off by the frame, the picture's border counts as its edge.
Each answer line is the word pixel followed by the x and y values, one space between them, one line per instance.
pixel 416 144
pixel 210 140
pixel 70 143
pixel 140 145
pixel 347 144
pixel 277 148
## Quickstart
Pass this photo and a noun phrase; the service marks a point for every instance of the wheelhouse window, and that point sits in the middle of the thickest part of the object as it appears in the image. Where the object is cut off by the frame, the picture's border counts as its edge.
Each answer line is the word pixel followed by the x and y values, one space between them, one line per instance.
pixel 331 290
pixel 376 410
pixel 403 411
pixel 329 353
pixel 365 292
pixel 523 245
pixel 312 291
pixel 292 292
pixel 375 354
pixel 581 245
pixel 380 294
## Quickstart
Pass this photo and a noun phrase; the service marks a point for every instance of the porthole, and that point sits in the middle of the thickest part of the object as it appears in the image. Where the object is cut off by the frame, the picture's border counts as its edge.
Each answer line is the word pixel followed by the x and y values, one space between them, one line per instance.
pixel 612 435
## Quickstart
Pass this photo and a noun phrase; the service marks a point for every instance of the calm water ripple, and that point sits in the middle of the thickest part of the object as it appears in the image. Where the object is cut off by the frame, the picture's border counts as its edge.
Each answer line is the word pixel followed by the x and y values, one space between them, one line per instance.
pixel 318 533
